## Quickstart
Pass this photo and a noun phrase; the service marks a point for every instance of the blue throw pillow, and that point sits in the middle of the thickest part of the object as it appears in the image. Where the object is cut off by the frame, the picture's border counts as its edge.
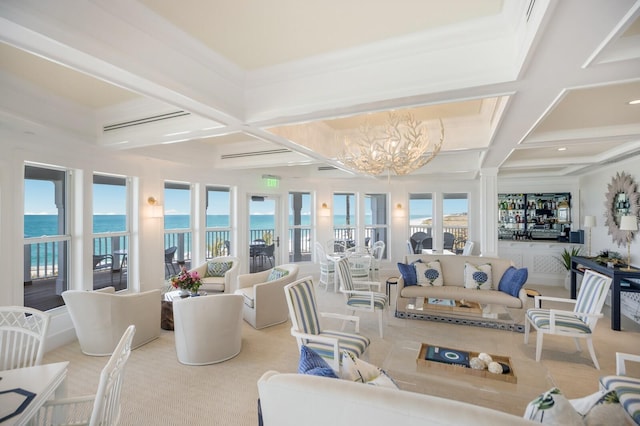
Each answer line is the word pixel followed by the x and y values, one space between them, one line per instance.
pixel 512 280
pixel 408 273
pixel 313 364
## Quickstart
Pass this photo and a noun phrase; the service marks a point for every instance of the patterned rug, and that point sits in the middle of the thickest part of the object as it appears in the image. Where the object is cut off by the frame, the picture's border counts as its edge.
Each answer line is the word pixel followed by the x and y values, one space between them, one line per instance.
pixel 480 322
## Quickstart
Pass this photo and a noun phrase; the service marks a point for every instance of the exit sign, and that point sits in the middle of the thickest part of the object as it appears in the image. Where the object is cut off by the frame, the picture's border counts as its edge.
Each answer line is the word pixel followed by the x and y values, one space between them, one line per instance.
pixel 271 181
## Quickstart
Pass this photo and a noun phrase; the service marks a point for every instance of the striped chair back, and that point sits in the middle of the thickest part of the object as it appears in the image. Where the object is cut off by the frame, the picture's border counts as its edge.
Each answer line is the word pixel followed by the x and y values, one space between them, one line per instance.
pixel 303 310
pixel 344 275
pixel 592 295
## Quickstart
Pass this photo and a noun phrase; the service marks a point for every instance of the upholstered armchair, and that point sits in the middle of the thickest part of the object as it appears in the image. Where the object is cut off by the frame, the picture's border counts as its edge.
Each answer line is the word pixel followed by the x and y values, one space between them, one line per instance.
pixel 263 292
pixel 208 329
pixel 101 317
pixel 219 274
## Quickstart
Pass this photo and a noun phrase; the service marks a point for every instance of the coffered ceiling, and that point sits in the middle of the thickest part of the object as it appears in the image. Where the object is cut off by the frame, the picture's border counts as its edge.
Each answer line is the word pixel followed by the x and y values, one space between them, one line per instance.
pixel 527 87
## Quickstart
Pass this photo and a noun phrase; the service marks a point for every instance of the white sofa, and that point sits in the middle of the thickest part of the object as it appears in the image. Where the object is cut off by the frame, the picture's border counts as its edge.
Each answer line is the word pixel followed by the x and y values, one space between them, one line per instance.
pixel 264 301
pixel 453 288
pixel 101 317
pixel 298 399
pixel 226 284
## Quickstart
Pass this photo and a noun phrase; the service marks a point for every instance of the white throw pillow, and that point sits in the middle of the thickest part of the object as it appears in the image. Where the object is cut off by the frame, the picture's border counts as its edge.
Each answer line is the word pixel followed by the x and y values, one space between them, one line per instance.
pixel 429 273
pixel 357 370
pixel 552 408
pixel 478 276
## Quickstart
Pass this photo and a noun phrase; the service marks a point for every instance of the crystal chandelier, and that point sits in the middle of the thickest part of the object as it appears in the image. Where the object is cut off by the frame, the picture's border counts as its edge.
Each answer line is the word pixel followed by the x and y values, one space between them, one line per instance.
pixel 400 146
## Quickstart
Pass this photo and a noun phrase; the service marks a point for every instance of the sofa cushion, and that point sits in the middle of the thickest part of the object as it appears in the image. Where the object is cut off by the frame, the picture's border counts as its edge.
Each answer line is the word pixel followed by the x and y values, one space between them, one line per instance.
pixel 429 273
pixel 512 280
pixel 277 273
pixel 478 276
pixel 408 273
pixel 313 364
pixel 217 268
pixel 356 370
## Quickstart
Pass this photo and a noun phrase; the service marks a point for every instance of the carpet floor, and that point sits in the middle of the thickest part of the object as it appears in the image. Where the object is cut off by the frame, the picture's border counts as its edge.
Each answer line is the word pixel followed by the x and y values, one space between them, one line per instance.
pixel 158 390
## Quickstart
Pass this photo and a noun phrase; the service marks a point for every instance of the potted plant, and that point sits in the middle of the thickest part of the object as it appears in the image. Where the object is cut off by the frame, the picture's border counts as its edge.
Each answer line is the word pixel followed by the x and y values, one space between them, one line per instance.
pixel 565 259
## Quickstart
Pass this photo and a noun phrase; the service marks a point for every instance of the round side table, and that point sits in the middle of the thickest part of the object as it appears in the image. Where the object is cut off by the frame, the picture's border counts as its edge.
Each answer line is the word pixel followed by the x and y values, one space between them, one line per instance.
pixel 391 281
pixel 532 294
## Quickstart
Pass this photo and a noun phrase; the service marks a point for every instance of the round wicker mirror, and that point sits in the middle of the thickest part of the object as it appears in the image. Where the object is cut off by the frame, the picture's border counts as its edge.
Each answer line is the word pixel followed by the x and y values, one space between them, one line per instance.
pixel 623 199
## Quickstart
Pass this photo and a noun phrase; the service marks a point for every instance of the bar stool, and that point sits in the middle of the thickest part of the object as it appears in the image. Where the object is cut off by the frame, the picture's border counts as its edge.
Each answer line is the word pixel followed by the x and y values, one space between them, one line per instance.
pixel 391 281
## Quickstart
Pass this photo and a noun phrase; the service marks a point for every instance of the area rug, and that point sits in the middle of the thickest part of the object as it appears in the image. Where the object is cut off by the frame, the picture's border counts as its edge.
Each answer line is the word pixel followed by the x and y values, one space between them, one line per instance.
pixel 480 322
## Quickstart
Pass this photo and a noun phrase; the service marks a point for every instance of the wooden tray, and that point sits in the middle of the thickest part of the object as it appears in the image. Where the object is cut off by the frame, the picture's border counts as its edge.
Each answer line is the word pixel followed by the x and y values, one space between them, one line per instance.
pixel 470 307
pixel 510 377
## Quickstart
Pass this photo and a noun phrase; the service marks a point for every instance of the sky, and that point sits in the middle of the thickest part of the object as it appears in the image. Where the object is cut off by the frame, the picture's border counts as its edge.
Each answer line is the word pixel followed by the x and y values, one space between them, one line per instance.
pixel 111 199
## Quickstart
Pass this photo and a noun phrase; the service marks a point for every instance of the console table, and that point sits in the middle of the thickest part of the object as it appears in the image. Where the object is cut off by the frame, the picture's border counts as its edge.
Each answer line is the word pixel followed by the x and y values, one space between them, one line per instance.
pixel 621 281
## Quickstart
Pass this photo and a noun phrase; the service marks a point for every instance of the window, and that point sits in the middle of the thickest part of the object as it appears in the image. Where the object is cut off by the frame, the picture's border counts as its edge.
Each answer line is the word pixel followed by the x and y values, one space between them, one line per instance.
pixel 110 232
pixel 420 213
pixel 218 211
pixel 299 226
pixel 177 225
pixel 344 217
pixel 455 209
pixel 46 240
pixel 375 216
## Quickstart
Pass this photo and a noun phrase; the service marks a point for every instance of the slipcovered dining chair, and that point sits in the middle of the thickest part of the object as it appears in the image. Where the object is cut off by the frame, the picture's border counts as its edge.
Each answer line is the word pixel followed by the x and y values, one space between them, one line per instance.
pixel 101 409
pixel 578 323
pixel 467 250
pixel 360 300
pixel 208 329
pixel 327 267
pixel 22 334
pixel 377 251
pixel 308 330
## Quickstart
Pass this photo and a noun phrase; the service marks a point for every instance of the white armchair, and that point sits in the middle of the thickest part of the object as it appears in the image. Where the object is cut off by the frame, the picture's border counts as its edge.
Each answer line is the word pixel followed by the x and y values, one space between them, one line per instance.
pixel 101 317
pixel 264 301
pixel 208 329
pixel 226 283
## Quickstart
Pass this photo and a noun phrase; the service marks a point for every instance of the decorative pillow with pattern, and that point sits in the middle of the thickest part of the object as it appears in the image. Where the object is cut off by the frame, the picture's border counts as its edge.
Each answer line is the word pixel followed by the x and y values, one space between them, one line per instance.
pixel 357 370
pixel 313 364
pixel 552 408
pixel 478 276
pixel 217 268
pixel 429 274
pixel 277 273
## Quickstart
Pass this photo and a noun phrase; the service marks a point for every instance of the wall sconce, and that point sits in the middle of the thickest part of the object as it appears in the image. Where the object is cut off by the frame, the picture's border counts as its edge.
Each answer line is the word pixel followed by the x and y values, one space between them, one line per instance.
pixel 629 224
pixel 589 222
pixel 398 211
pixel 325 211
pixel 155 208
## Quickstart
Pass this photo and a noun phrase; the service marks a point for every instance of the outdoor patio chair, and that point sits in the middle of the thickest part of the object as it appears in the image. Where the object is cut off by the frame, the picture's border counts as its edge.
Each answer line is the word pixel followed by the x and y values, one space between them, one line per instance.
pixel 168 259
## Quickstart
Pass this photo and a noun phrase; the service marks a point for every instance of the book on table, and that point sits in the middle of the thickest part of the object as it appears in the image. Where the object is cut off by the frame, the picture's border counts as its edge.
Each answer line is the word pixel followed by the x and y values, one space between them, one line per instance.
pixel 447 356
pixel 441 302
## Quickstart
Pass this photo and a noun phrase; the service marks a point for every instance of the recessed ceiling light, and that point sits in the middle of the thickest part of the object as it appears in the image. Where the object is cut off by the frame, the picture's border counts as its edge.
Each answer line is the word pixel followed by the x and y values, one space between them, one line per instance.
pixel 634 102
pixel 562 149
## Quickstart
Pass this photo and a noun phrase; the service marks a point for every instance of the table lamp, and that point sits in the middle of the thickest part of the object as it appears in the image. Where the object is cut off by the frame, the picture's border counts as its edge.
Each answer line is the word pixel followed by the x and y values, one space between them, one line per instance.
pixel 589 222
pixel 629 224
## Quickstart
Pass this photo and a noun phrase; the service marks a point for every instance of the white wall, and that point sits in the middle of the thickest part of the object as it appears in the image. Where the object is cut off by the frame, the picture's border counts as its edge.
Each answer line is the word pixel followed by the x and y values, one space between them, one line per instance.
pixel 593 190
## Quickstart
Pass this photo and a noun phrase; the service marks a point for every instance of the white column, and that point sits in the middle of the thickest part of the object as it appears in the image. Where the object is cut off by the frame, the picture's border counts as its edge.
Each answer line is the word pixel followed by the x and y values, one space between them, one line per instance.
pixel 489 212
